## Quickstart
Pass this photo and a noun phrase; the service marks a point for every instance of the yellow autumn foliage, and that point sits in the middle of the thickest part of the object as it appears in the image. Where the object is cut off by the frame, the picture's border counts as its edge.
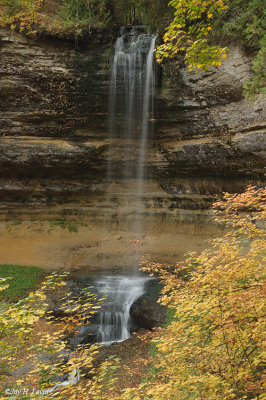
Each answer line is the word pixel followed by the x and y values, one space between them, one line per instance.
pixel 22 16
pixel 189 31
pixel 214 348
pixel 17 323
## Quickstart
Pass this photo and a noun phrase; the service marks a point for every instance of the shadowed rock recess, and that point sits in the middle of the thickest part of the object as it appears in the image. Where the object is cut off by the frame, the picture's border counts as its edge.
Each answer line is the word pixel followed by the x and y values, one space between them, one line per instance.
pixel 54 137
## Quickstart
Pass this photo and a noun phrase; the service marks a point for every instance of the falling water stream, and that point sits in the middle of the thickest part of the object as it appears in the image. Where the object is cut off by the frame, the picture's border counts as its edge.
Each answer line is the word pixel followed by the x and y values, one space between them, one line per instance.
pixel 131 115
pixel 131 112
pixel 131 100
pixel 114 318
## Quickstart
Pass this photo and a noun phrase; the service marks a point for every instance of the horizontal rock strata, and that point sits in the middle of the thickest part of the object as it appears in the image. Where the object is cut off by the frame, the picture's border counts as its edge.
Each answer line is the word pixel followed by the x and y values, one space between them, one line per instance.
pixel 54 138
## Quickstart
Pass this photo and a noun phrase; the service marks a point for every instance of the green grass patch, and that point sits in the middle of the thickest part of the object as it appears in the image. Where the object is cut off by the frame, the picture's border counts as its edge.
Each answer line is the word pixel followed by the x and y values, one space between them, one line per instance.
pixel 170 316
pixel 63 224
pixel 24 280
pixel 16 222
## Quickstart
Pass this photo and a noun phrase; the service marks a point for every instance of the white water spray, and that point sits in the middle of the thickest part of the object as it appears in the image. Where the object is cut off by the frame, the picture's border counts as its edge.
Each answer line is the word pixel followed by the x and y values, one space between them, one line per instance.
pixel 114 317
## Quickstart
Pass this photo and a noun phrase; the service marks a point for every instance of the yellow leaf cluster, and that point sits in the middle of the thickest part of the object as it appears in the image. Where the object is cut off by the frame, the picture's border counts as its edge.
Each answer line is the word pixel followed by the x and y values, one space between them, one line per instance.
pixel 188 31
pixel 214 348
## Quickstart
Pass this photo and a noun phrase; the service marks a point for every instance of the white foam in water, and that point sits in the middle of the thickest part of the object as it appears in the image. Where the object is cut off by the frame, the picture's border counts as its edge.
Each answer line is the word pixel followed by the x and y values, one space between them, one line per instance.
pixel 114 317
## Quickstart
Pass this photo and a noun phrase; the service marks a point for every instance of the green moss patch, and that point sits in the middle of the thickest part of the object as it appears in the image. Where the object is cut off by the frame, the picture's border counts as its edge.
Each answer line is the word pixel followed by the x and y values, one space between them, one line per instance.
pixel 24 279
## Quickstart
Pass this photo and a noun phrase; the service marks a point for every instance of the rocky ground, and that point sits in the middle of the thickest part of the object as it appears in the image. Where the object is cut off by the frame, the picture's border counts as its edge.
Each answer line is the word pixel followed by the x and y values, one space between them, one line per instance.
pixel 135 358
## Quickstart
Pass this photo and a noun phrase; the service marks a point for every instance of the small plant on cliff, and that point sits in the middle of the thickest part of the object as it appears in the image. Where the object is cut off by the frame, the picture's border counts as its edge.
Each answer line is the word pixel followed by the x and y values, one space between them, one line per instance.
pixel 257 84
pixel 214 347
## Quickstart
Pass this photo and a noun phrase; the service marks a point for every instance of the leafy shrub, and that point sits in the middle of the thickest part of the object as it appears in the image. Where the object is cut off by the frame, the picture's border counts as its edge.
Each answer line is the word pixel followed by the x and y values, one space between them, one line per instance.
pixel 17 324
pixel 214 347
pixel 188 33
pixel 20 14
pixel 196 23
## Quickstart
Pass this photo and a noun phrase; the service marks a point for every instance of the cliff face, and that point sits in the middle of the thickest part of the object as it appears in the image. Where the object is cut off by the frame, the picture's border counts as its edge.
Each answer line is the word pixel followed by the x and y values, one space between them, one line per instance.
pixel 206 127
pixel 54 141
pixel 53 112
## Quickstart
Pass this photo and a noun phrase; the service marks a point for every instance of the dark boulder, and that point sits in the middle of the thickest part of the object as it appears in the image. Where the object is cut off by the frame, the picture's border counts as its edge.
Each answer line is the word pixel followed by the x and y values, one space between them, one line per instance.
pixel 146 312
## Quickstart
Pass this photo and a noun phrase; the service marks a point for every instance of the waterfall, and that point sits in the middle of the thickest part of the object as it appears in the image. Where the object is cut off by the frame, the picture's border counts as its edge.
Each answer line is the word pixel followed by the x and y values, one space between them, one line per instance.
pixel 148 107
pixel 114 317
pixel 131 115
pixel 131 103
pixel 131 108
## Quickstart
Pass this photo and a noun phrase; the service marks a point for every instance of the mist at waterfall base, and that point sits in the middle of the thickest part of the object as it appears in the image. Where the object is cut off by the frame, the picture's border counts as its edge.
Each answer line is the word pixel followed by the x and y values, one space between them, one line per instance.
pixel 121 292
pixel 113 322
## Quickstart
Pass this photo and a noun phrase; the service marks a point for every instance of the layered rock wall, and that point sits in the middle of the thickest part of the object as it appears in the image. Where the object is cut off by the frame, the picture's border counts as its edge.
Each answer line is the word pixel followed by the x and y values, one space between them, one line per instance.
pixel 53 111
pixel 54 137
pixel 207 130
